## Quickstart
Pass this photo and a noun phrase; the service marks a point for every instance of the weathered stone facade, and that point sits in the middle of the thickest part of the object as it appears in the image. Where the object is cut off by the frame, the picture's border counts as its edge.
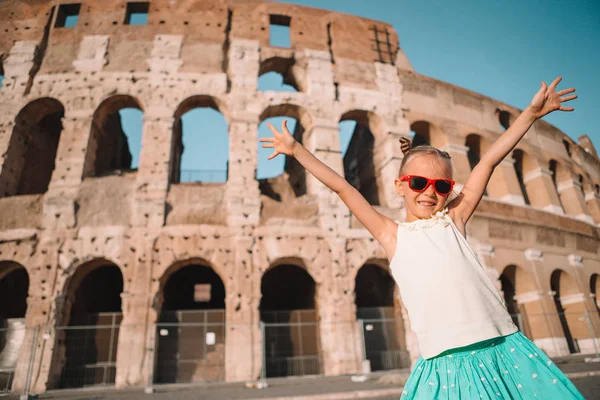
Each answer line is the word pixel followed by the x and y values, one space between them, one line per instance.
pixel 69 205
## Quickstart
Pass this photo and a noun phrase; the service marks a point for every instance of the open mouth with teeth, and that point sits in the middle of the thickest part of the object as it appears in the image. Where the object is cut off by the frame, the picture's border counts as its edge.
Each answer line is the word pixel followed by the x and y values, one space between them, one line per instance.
pixel 428 204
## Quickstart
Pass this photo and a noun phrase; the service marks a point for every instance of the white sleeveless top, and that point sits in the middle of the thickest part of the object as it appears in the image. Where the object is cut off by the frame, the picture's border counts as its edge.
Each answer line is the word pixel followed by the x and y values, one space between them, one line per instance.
pixel 450 299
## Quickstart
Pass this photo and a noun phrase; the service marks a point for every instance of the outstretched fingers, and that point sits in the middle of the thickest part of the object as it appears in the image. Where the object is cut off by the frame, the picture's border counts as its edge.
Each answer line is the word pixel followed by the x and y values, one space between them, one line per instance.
pixel 272 128
pixel 555 83
pixel 566 91
pixel 568 98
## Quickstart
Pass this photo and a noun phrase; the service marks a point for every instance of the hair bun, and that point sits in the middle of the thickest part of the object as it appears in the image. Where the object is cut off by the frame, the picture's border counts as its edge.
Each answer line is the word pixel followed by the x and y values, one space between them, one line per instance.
pixel 405 144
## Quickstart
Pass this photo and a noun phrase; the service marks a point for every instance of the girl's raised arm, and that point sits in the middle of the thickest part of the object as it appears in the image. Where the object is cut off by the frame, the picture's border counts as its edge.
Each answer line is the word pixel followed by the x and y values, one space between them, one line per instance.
pixel 380 226
pixel 544 102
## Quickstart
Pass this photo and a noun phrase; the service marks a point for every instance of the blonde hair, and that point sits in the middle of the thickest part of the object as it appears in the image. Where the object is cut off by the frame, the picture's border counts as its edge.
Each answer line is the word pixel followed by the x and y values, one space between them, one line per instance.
pixel 411 152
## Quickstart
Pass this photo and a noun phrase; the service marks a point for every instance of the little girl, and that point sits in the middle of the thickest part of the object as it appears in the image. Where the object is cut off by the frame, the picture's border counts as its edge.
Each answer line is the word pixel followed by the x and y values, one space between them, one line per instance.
pixel 470 347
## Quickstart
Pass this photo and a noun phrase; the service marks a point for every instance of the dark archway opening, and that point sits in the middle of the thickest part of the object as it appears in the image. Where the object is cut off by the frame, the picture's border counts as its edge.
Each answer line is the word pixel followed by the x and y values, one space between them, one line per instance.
pixel 282 178
pixel 287 309
pixel 14 286
pixel 421 133
pixel 111 145
pixel 381 325
pixel 474 153
pixel 359 163
pixel 595 290
pixel 191 328
pixel 29 161
pixel 93 332
pixel 555 285
pixel 518 156
pixel 200 142
pixel 504 118
pixel 507 282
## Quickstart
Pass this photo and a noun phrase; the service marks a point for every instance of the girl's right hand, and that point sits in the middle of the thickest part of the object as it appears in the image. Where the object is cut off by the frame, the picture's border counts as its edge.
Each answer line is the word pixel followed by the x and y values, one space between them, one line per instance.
pixel 282 142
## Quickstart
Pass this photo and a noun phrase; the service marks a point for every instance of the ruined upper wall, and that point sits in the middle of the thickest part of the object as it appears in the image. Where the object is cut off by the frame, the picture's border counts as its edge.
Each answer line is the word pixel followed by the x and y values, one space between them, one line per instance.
pixel 204 24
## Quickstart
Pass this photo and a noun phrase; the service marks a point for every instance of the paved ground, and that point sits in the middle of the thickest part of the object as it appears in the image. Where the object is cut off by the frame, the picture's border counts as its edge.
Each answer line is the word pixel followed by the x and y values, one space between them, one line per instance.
pixel 306 388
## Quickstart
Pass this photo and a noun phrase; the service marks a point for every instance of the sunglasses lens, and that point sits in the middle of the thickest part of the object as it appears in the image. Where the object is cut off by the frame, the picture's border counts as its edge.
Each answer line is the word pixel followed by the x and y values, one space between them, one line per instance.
pixel 417 183
pixel 443 186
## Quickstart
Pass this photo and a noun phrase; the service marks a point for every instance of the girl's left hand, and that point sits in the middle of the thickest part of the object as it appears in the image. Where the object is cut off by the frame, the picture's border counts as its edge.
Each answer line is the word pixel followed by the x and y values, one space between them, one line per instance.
pixel 547 100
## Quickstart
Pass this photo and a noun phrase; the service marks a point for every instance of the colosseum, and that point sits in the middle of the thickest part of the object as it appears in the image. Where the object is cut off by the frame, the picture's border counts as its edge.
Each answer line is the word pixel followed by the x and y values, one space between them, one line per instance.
pixel 122 276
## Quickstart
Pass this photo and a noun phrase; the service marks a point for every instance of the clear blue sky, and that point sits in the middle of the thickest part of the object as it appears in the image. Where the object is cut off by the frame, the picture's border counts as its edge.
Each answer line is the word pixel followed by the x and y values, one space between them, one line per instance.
pixel 502 49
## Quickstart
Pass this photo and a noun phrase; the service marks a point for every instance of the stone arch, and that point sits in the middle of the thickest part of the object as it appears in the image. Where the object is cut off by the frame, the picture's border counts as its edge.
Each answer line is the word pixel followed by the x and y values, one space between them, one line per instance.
pixel 525 164
pixel 291 182
pixel 595 290
pixel 109 149
pixel 556 170
pixel 505 118
pixel 1 69
pixel 278 67
pixel 288 310
pixel 91 324
pixel 196 111
pixel 192 306
pixel 14 287
pixel 424 132
pixel 359 161
pixel 379 312
pixel 180 265
pixel 567 299
pixel 518 289
pixel 30 158
pixel 476 146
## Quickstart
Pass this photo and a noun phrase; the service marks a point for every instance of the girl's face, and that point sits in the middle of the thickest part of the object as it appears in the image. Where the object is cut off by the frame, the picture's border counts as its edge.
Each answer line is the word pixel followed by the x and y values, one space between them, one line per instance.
pixel 428 202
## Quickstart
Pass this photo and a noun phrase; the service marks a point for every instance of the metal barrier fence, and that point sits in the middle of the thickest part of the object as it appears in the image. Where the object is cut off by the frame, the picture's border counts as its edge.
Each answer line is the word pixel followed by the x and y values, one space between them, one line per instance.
pixel 12 336
pixel 190 346
pixel 90 353
pixel 290 343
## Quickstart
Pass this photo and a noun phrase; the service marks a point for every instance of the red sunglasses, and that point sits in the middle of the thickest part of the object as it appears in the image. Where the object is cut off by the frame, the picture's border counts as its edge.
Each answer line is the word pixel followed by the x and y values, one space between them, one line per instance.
pixel 420 183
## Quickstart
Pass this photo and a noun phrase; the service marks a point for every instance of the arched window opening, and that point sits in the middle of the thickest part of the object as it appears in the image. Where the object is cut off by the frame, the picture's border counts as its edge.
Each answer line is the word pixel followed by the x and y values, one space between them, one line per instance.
pixel 381 319
pixel 1 70
pixel 191 328
pixel 14 286
pixel 561 285
pixel 201 142
pixel 581 184
pixel 504 119
pixel 518 157
pixel 116 137
pixel 553 167
pixel 282 178
pixel 287 308
pixel 567 147
pixel 359 164
pixel 473 144
pixel 507 282
pixel 276 74
pixel 31 154
pixel 595 290
pixel 91 337
pixel 275 82
pixel 420 132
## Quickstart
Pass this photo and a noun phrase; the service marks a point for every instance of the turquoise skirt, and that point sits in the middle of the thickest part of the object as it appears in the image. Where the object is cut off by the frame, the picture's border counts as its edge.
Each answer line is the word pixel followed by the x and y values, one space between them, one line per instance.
pixel 508 367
